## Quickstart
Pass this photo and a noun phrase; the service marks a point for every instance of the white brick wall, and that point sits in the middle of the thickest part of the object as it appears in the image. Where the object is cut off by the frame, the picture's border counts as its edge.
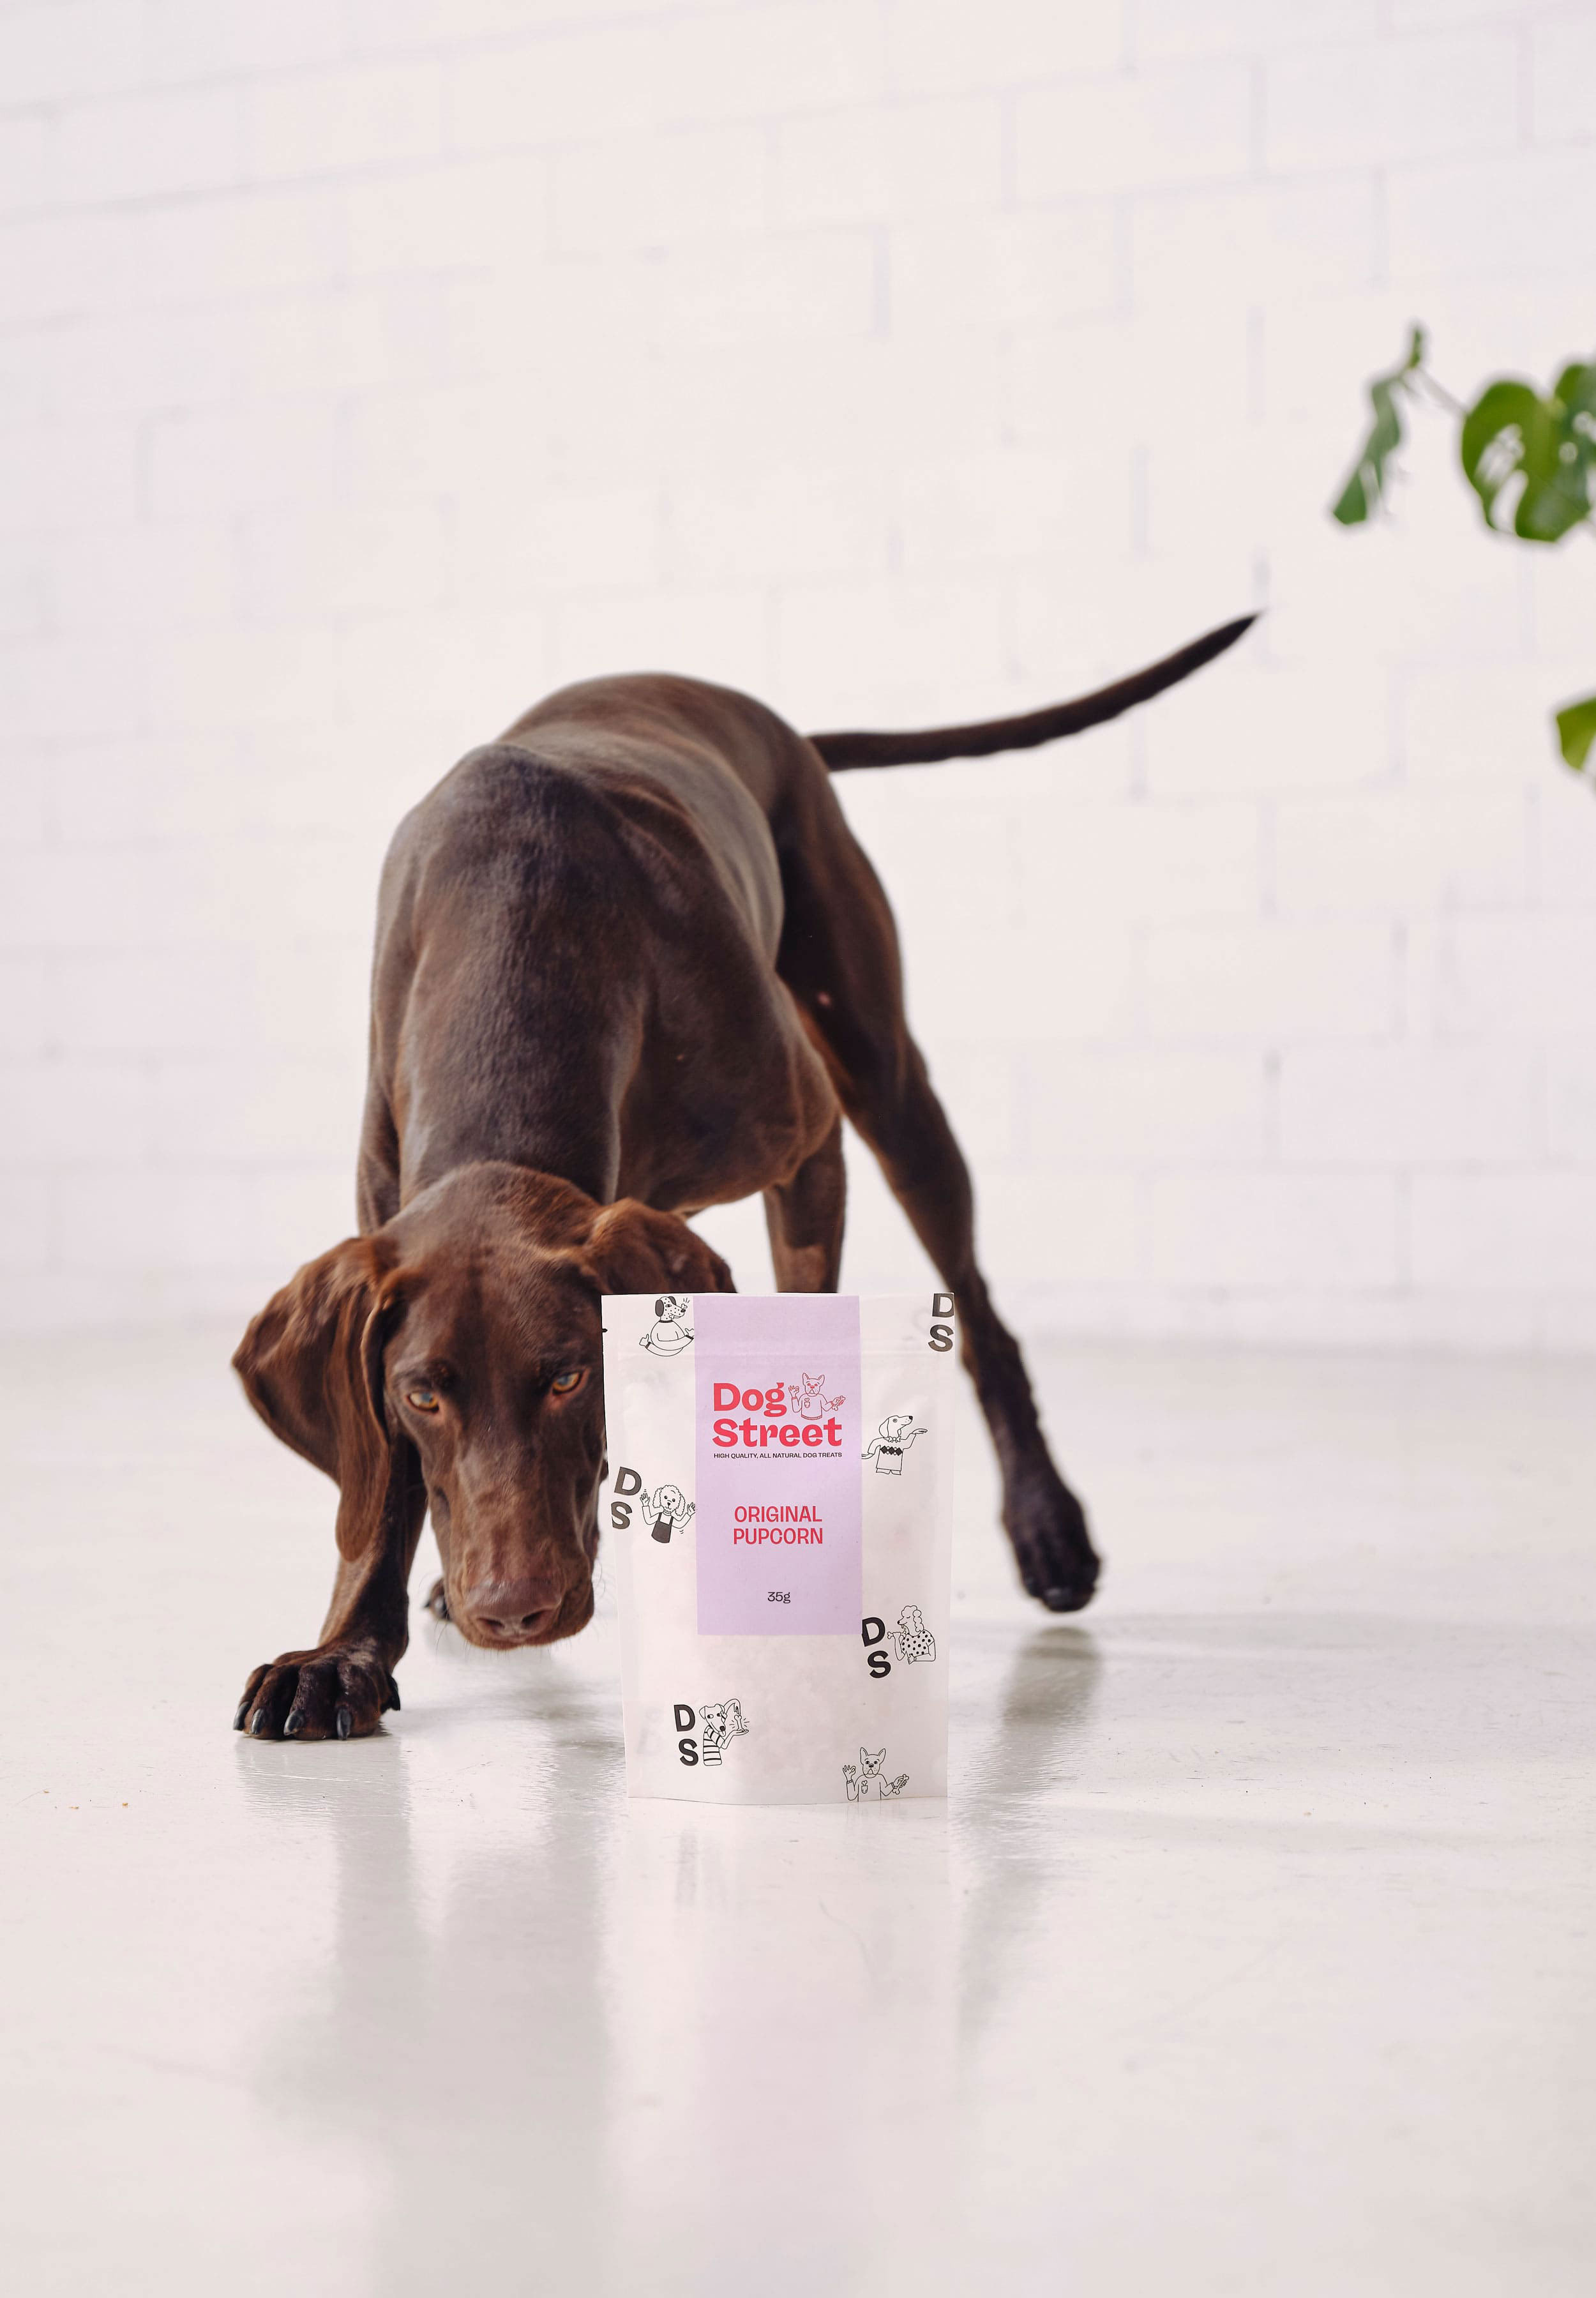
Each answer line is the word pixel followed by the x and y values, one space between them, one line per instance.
pixel 367 368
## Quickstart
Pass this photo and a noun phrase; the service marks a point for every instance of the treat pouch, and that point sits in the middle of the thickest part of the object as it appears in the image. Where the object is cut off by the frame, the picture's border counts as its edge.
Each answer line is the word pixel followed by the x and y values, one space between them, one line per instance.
pixel 778 1520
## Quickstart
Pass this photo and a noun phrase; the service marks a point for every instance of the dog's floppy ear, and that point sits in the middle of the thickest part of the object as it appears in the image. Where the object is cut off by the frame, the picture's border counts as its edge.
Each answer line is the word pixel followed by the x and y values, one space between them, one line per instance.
pixel 631 1248
pixel 311 1366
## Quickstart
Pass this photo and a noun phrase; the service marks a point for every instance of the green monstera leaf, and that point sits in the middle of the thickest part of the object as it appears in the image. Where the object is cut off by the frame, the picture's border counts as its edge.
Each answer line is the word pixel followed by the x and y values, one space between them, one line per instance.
pixel 1365 490
pixel 1576 731
pixel 1512 432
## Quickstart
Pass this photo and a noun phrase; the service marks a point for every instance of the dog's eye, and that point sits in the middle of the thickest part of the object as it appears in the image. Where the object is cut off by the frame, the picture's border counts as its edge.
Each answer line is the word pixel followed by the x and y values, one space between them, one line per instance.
pixel 566 1384
pixel 424 1399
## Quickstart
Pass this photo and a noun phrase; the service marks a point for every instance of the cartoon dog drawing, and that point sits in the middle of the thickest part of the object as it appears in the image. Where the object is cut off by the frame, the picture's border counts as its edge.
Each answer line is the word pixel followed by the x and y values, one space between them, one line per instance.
pixel 807 1401
pixel 670 1332
pixel 670 1509
pixel 887 1450
pixel 722 1722
pixel 857 1782
pixel 914 1639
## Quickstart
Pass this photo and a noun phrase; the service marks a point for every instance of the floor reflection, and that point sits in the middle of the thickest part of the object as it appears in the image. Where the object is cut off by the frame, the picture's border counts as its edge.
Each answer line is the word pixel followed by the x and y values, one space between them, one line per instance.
pixel 457 2024
pixel 1009 1839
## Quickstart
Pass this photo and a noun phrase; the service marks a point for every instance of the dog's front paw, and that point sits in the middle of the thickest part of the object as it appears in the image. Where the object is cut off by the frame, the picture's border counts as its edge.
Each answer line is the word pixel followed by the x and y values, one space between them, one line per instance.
pixel 1047 1526
pixel 337 1691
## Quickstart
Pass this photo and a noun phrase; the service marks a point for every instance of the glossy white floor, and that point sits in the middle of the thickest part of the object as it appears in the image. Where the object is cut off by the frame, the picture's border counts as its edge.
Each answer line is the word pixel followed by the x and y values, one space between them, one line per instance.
pixel 1251 1953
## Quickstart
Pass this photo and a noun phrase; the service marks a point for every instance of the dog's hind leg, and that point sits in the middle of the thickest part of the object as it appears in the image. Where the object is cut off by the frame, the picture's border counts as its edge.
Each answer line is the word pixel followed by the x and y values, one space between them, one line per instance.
pixel 904 1123
pixel 804 1218
pixel 840 957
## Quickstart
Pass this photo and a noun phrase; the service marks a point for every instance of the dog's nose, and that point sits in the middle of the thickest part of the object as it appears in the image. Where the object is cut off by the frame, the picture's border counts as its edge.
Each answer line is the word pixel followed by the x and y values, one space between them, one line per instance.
pixel 514 1608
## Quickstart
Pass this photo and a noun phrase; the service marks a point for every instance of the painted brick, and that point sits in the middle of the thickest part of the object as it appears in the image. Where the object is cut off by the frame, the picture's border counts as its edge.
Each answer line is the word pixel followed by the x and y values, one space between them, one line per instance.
pixel 199 466
pixel 1393 849
pixel 68 1111
pixel 822 284
pixel 1514 976
pixel 1564 837
pixel 1091 1222
pixel 1181 124
pixel 56 691
pixel 843 639
pixel 1571 1101
pixel 1239 727
pixel 1268 1229
pixel 27 1022
pixel 370 115
pixel 657 191
pixel 567 541
pixel 1143 1106
pixel 943 48
pixel 297 1110
pixel 1271 981
pixel 922 160
pixel 1464 725
pixel 1266 240
pixel 151 146
pixel 26 1226
pixel 1382 100
pixel 1008 507
pixel 69 475
pixel 1481 218
pixel 1563 70
pixel 298 565
pixel 1142 862
pixel 781 526
pixel 27 163
pixel 1169 29
pixel 716 634
pixel 195 39
pixel 456 218
pixel 63 48
pixel 134 577
pixel 784 56
pixel 1410 1105
pixel 1486 1232
pixel 150 1001
pixel 1004 271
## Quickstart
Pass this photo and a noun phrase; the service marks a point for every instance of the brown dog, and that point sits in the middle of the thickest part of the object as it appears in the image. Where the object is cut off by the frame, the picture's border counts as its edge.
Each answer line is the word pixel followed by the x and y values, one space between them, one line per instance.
pixel 629 963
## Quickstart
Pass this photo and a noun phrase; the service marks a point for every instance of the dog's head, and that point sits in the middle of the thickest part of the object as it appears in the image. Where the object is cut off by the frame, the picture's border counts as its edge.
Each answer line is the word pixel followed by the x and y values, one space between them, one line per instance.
pixel 458 1349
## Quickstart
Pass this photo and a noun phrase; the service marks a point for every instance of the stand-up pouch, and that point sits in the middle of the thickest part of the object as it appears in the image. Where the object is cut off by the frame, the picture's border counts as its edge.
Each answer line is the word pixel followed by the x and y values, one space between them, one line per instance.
pixel 778 1519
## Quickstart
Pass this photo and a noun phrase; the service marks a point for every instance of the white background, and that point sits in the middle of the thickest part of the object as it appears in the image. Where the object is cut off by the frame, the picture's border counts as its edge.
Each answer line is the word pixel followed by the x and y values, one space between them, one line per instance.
pixel 367 368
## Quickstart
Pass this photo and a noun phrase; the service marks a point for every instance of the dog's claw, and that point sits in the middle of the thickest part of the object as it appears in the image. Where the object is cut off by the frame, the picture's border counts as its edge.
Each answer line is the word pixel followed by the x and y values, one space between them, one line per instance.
pixel 244 1710
pixel 258 1724
pixel 392 1699
pixel 343 1722
pixel 291 1728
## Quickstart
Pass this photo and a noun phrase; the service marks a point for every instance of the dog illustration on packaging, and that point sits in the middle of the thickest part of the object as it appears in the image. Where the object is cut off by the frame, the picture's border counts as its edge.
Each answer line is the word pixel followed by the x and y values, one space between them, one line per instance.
pixel 723 1723
pixel 670 1332
pixel 914 1638
pixel 887 1449
pixel 806 1402
pixel 856 1780
pixel 670 1509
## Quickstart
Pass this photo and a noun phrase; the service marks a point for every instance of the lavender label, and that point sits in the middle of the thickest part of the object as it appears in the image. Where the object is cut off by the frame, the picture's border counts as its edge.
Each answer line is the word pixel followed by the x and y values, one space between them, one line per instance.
pixel 778 1455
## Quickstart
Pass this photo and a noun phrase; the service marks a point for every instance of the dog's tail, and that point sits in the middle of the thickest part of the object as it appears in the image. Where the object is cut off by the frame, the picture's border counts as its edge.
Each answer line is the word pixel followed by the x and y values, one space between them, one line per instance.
pixel 842 752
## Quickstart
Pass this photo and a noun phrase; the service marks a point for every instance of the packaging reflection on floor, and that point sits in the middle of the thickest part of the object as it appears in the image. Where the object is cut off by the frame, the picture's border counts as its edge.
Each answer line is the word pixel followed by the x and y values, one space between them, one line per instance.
pixel 779 1511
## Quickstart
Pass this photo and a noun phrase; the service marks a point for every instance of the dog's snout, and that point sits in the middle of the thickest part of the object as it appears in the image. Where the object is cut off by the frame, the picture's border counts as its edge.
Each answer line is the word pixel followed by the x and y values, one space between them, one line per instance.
pixel 518 1606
